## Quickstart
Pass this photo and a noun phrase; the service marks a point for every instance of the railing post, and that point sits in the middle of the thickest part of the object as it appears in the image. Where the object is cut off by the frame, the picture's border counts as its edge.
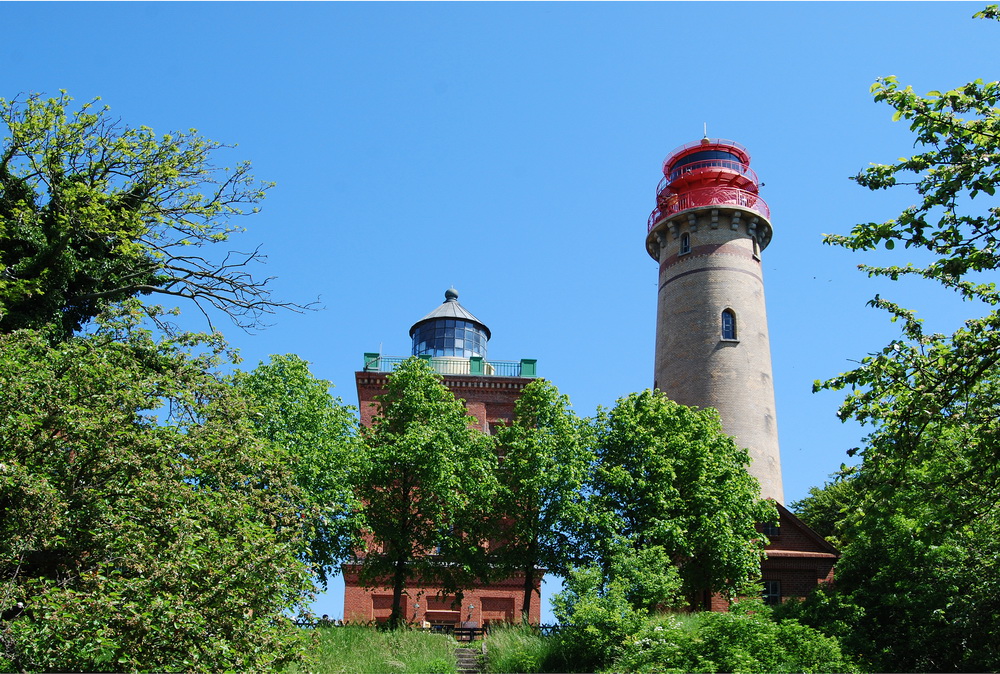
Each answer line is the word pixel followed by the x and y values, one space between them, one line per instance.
pixel 476 365
pixel 528 367
pixel 371 362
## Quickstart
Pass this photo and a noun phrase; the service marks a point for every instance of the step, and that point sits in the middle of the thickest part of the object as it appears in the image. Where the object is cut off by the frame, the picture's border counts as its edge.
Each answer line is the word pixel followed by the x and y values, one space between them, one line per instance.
pixel 467 660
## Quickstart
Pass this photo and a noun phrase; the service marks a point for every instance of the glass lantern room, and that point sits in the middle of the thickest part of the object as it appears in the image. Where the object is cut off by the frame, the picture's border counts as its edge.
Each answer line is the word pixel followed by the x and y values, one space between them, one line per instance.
pixel 450 330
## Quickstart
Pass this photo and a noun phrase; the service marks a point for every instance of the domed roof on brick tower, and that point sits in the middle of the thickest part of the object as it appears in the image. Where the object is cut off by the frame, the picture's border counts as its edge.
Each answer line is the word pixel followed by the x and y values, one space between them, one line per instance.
pixel 451 309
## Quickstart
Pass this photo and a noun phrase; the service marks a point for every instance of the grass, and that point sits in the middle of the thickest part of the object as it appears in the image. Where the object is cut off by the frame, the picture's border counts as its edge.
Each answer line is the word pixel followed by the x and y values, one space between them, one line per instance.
pixel 366 650
pixel 517 648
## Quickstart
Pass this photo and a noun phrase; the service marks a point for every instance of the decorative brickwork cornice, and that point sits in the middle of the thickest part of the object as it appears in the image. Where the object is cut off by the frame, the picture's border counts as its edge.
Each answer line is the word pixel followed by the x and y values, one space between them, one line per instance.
pixel 701 269
pixel 727 249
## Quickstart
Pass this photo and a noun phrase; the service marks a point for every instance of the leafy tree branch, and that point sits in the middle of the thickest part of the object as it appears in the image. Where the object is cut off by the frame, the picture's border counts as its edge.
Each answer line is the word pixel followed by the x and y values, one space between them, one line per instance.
pixel 93 212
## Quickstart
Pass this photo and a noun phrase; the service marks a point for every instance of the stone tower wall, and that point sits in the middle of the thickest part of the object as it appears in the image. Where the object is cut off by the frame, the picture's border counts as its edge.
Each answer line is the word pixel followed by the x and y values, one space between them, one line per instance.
pixel 694 365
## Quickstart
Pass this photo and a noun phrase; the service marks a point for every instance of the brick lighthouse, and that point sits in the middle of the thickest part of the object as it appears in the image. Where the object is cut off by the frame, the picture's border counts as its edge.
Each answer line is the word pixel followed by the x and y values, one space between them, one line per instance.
pixel 454 344
pixel 707 233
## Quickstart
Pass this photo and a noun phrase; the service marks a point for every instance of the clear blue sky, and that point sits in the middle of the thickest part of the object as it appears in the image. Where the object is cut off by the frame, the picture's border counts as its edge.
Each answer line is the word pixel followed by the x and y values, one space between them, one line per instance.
pixel 513 150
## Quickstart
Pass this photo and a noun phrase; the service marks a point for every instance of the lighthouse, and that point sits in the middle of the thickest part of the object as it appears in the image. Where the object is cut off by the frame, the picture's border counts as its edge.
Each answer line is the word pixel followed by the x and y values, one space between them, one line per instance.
pixel 707 233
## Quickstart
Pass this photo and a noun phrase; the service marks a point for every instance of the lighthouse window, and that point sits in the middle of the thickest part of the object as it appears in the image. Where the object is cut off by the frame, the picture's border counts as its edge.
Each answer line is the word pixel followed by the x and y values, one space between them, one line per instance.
pixel 449 337
pixel 728 324
pixel 705 159
pixel 685 243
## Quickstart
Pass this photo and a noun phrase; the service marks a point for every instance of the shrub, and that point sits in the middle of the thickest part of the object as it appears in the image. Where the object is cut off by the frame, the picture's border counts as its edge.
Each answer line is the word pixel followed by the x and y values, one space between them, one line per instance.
pixel 744 640
pixel 664 644
pixel 596 620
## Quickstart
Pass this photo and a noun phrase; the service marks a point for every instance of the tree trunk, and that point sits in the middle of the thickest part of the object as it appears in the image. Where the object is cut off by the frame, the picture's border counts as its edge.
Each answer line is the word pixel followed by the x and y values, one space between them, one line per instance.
pixel 529 580
pixel 529 589
pixel 396 618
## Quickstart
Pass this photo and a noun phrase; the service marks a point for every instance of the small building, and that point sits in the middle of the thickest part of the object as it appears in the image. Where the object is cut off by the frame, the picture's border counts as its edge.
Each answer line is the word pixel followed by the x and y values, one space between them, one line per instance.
pixel 454 342
pixel 798 559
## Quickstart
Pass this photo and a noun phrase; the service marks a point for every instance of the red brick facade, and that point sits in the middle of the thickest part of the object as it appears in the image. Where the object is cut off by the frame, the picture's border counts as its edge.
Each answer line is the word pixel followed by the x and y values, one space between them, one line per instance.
pixel 491 401
pixel 798 558
pixel 480 606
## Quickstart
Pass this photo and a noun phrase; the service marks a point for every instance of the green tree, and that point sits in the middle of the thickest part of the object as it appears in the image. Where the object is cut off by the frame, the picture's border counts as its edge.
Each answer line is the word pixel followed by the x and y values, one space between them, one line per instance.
pixel 93 212
pixel 669 478
pixel 544 467
pixel 921 561
pixel 142 524
pixel 829 510
pixel 427 480
pixel 318 435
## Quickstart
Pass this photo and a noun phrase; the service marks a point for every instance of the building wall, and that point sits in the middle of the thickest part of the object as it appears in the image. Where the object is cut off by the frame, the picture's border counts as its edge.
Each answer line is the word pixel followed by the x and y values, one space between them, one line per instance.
pixel 491 401
pixel 693 364
pixel 498 602
pixel 798 557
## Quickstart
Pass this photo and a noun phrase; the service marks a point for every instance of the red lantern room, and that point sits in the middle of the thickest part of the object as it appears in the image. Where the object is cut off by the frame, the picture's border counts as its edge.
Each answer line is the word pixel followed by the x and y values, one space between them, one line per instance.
pixel 709 172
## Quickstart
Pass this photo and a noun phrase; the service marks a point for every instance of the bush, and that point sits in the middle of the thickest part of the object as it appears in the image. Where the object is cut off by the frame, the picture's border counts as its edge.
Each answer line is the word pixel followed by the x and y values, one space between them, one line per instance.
pixel 744 640
pixel 826 610
pixel 596 620
pixel 664 644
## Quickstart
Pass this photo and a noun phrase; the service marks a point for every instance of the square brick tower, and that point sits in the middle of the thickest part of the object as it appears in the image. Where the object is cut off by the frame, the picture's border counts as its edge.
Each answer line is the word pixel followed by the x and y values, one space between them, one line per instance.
pixel 454 342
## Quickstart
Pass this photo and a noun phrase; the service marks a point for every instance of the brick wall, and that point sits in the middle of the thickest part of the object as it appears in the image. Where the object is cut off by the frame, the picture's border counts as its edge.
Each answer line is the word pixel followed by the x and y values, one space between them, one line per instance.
pixel 500 601
pixel 491 401
pixel 798 557
pixel 693 364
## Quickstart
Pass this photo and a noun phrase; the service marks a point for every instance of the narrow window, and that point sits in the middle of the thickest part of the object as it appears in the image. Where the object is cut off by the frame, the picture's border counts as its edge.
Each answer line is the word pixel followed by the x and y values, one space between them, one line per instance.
pixel 685 243
pixel 728 324
pixel 772 592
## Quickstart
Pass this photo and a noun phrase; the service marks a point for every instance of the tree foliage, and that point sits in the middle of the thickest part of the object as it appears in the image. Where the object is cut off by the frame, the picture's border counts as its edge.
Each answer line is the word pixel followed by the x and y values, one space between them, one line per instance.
pixel 545 464
pixel 921 556
pixel 829 510
pixel 426 480
pixel 743 640
pixel 93 212
pixel 142 524
pixel 595 616
pixel 318 435
pixel 669 478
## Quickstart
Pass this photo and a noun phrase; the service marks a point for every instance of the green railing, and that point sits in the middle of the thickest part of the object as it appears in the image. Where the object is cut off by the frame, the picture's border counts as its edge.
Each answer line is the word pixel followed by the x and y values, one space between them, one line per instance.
pixel 526 367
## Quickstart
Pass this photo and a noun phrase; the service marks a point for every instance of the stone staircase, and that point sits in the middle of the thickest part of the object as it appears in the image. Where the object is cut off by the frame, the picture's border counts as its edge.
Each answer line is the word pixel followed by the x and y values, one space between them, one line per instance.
pixel 468 660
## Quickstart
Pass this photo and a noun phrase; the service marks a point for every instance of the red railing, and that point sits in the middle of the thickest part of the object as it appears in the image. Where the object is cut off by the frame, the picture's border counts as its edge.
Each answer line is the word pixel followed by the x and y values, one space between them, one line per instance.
pixel 709 196
pixel 713 144
pixel 726 164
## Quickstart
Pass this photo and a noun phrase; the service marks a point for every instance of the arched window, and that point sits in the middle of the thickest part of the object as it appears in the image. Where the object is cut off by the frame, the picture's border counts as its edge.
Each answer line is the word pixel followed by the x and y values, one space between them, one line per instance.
pixel 728 324
pixel 685 243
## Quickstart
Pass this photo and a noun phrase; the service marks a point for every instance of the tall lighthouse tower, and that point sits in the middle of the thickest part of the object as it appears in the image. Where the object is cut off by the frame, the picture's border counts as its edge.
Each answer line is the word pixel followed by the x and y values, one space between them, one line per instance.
pixel 712 348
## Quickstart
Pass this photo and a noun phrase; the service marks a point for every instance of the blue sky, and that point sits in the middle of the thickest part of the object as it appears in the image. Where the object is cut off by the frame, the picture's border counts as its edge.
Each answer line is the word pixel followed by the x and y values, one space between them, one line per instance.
pixel 513 150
